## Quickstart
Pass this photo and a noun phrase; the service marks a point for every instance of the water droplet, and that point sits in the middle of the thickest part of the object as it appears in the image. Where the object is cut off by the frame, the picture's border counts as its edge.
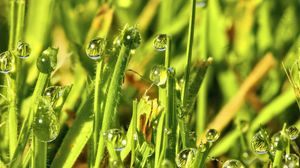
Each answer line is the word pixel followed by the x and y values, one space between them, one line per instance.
pixel 117 138
pixel 185 157
pixel 292 132
pixel 158 75
pixel 167 131
pixel 212 135
pixel 244 126
pixel 201 3
pixel 171 71
pixel 202 147
pixel 192 136
pixel 6 62
pixel 23 50
pixel 115 164
pixel 233 164
pixel 278 142
pixel 258 144
pixel 160 42
pixel 166 164
pixel 131 37
pixel 45 125
pixel 54 93
pixel 47 61
pixel 96 48
pixel 291 161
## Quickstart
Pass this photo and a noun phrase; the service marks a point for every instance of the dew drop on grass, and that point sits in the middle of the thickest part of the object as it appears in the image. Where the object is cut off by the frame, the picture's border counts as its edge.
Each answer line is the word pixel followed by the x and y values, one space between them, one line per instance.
pixel 115 164
pixel 292 132
pixel 243 125
pixel 258 144
pixel 23 50
pixel 171 71
pixel 212 135
pixel 131 38
pixel 45 125
pixel 6 62
pixel 233 164
pixel 201 3
pixel 160 42
pixel 116 138
pixel 96 48
pixel 291 161
pixel 185 157
pixel 166 164
pixel 158 75
pixel 202 147
pixel 47 61
pixel 278 142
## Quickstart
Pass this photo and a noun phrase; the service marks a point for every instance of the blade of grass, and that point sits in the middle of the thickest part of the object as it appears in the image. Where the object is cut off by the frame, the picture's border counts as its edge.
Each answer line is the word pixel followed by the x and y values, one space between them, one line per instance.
pixel 111 100
pixel 77 136
pixel 228 111
pixel 26 127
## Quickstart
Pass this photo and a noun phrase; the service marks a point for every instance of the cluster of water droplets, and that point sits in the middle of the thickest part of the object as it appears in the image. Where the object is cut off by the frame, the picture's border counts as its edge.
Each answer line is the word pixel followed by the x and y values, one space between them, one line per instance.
pixel 116 138
pixel 45 124
pixel 7 58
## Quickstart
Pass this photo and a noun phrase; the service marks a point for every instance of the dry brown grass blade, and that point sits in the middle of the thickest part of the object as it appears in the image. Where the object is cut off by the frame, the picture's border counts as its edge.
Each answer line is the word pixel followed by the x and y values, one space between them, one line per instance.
pixel 228 112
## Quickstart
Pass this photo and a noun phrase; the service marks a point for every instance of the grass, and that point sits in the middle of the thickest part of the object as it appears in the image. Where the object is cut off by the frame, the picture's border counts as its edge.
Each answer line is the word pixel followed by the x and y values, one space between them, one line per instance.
pixel 201 84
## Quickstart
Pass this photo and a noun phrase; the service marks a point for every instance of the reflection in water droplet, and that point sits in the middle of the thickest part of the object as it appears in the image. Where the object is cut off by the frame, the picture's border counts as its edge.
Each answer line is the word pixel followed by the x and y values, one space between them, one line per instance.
pixel 185 157
pixel 258 144
pixel 158 75
pixel 292 132
pixel 160 42
pixel 96 48
pixel 23 50
pixel 212 135
pixel 6 62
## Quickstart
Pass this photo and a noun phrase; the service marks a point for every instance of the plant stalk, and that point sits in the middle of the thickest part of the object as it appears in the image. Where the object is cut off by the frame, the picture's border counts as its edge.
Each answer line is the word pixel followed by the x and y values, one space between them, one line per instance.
pixel 111 102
